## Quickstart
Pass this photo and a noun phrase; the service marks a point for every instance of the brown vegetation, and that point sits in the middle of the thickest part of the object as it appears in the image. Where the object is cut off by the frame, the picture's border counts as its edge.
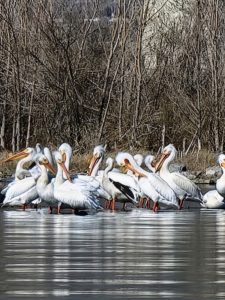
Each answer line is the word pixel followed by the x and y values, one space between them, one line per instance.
pixel 70 74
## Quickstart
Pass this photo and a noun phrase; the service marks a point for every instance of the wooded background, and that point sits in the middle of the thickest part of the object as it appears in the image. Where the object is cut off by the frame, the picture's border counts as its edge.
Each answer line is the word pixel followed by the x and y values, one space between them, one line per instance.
pixel 96 71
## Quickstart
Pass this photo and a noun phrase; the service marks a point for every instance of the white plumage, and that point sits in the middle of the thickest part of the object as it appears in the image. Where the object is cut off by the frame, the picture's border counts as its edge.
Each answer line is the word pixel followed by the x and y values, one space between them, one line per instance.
pixel 213 199
pixel 151 184
pixel 182 186
pixel 78 195
pixel 21 191
pixel 220 183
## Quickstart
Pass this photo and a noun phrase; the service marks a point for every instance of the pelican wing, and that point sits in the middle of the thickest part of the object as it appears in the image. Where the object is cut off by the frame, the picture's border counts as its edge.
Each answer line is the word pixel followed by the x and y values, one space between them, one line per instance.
pixel 158 190
pixel 95 186
pixel 125 190
pixel 213 199
pixel 19 188
pixel 189 187
pixel 3 191
pixel 124 179
pixel 75 195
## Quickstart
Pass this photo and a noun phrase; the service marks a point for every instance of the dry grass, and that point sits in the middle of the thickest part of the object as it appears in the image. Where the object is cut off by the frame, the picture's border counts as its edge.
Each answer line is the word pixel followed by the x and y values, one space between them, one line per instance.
pixel 197 161
pixel 6 168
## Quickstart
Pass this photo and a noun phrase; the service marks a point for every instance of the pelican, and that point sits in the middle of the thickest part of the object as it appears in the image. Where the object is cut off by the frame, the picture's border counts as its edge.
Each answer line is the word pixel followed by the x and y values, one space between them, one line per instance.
pixel 220 183
pixel 213 199
pixel 21 191
pixel 25 156
pixel 78 196
pixel 182 186
pixel 44 186
pixel 97 158
pixel 120 187
pixel 148 162
pixel 127 185
pixel 91 180
pixel 151 184
pixel 139 160
pixel 34 169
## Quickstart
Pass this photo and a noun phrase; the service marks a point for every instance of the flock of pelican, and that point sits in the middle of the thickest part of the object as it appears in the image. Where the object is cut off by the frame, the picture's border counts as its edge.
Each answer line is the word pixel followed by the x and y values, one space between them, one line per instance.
pixel 58 188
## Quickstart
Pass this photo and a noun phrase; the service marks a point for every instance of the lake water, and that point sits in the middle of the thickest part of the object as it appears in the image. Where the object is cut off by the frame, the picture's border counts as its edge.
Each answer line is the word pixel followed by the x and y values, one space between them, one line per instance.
pixel 122 255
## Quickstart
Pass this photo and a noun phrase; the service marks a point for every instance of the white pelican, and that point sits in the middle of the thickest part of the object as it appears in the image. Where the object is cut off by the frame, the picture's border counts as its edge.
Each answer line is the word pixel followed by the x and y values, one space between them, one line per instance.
pixel 151 184
pixel 34 169
pixel 148 162
pixel 182 186
pixel 66 152
pixel 139 160
pixel 78 196
pixel 21 191
pixel 220 183
pixel 126 184
pixel 120 187
pixel 97 158
pixel 213 199
pixel 44 186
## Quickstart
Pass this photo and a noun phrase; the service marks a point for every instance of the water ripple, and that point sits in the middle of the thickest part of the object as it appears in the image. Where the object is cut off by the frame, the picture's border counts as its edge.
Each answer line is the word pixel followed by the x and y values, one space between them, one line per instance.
pixel 134 255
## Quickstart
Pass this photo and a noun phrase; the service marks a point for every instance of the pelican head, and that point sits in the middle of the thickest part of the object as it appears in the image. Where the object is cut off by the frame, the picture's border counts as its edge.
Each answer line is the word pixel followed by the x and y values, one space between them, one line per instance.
pixel 60 160
pixel 168 153
pixel 221 160
pixel 98 153
pixel 66 151
pixel 126 161
pixel 22 154
pixel 139 159
pixel 42 160
pixel 148 162
pixel 39 148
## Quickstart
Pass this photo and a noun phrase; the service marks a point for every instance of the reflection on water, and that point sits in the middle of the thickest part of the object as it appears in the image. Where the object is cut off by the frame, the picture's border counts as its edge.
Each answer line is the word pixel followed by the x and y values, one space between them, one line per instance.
pixel 135 255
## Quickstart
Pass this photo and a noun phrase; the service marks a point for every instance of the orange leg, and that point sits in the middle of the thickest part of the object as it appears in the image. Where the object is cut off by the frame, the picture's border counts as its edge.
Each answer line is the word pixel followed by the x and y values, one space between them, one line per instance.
pixel 59 208
pixel 181 203
pixel 156 206
pixel 147 204
pixel 107 204
pixel 141 202
pixel 113 204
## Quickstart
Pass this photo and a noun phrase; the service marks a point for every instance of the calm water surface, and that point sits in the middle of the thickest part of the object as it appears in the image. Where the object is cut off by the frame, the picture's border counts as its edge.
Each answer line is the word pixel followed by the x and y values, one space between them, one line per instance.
pixel 132 255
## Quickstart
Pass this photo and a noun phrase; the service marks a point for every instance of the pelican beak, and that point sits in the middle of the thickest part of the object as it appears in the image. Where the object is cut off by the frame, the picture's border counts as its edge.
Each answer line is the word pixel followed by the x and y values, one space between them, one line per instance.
pixel 128 165
pixel 50 168
pixel 93 163
pixel 62 165
pixel 158 164
pixel 223 164
pixel 123 169
pixel 18 155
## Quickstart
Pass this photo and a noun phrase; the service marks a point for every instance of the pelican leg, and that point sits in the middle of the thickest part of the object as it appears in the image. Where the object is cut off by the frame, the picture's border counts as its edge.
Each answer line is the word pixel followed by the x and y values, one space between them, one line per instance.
pixel 156 206
pixel 50 210
pixel 147 204
pixel 36 207
pixel 124 206
pixel 141 202
pixel 113 204
pixel 24 206
pixel 58 208
pixel 107 204
pixel 144 202
pixel 181 203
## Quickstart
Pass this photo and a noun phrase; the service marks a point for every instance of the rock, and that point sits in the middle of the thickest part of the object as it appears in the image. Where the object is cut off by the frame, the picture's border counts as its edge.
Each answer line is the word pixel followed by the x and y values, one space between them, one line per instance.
pixel 177 168
pixel 214 171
